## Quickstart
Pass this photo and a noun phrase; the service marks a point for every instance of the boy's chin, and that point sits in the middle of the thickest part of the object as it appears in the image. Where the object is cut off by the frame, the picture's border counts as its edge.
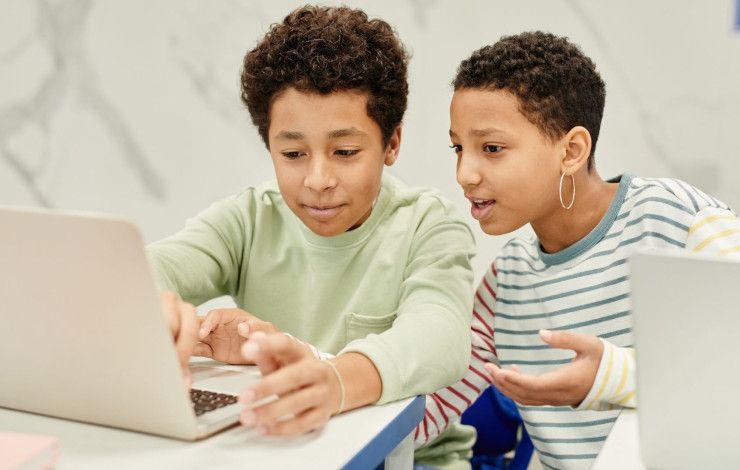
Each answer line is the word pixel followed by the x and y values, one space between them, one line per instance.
pixel 326 230
pixel 498 227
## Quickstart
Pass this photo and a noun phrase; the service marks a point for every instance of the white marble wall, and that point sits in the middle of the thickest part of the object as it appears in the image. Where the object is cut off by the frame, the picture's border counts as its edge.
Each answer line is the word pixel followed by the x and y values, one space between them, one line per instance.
pixel 132 107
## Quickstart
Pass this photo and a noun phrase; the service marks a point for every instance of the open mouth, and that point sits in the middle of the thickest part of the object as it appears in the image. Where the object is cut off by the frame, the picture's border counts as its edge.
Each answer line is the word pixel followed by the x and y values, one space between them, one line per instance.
pixel 482 203
pixel 481 208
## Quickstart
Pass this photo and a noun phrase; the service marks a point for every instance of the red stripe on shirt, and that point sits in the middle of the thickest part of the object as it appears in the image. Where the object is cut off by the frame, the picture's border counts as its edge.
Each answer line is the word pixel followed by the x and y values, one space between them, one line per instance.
pixel 484 337
pixel 441 410
pixel 448 404
pixel 493 269
pixel 460 395
pixel 477 355
pixel 431 416
pixel 488 287
pixel 480 298
pixel 491 347
pixel 467 382
pixel 479 373
pixel 480 319
pixel 426 432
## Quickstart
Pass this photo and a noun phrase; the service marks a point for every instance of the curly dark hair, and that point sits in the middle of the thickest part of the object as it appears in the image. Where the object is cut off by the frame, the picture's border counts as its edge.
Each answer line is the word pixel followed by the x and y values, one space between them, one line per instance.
pixel 328 49
pixel 558 87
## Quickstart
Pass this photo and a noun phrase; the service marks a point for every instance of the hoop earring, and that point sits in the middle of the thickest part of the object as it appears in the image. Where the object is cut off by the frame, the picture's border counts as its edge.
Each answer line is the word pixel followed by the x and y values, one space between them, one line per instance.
pixel 560 192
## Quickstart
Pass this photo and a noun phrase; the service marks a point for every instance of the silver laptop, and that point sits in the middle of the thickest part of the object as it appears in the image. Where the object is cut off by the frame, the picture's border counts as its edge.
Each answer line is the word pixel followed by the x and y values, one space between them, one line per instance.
pixel 83 333
pixel 686 312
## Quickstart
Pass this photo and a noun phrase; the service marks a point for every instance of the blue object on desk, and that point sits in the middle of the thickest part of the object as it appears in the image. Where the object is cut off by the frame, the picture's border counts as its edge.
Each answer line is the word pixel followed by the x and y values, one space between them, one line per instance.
pixel 500 430
pixel 737 15
pixel 383 444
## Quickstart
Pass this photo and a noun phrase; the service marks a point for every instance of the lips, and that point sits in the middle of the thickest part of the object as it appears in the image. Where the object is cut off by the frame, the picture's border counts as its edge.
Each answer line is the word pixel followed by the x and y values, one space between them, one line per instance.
pixel 481 208
pixel 323 212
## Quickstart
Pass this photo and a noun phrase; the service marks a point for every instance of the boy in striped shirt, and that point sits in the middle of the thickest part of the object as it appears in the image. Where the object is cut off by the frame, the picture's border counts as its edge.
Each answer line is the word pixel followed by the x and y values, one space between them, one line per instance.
pixel 551 320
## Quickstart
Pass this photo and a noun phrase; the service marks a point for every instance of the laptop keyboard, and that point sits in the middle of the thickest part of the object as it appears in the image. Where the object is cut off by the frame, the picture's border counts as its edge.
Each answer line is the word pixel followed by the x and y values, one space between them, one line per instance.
pixel 205 401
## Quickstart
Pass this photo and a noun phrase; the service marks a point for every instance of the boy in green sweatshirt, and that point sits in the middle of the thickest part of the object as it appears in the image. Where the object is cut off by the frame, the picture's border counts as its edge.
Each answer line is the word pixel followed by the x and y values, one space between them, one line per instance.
pixel 334 252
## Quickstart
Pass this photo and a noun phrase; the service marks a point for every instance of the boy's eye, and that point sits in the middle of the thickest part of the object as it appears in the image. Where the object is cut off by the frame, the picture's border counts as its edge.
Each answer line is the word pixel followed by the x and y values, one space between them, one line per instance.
pixel 492 148
pixel 346 152
pixel 456 147
pixel 292 155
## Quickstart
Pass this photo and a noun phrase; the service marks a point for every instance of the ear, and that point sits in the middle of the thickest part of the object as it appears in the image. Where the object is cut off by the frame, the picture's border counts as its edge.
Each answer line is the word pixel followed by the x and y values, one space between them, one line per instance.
pixel 576 150
pixel 393 147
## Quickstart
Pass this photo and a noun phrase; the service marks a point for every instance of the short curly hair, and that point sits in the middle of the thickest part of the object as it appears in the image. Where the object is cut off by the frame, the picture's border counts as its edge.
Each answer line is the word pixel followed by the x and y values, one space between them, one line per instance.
pixel 328 49
pixel 558 86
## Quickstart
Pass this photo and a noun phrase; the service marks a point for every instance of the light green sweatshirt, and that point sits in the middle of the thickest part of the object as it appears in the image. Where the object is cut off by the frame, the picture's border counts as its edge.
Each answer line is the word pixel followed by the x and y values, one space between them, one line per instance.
pixel 397 289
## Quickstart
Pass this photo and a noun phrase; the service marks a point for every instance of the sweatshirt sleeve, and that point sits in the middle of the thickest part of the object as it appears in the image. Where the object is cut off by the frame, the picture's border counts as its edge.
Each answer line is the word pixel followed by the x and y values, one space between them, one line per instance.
pixel 204 259
pixel 428 345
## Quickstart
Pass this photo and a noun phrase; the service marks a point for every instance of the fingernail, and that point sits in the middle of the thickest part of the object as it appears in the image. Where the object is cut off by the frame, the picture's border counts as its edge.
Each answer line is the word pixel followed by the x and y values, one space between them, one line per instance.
pixel 248 417
pixel 546 335
pixel 243 329
pixel 247 395
pixel 250 349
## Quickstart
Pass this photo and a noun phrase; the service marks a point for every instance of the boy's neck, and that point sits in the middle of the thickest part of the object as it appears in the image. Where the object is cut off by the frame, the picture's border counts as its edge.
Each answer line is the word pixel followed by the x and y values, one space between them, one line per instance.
pixel 564 227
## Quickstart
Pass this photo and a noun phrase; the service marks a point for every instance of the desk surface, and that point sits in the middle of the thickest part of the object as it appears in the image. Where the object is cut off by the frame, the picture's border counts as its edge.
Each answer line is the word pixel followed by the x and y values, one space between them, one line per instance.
pixel 358 439
pixel 621 449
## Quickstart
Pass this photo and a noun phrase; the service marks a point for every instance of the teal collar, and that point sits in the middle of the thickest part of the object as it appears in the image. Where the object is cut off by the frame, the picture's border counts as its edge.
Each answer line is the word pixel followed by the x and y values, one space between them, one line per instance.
pixel 595 236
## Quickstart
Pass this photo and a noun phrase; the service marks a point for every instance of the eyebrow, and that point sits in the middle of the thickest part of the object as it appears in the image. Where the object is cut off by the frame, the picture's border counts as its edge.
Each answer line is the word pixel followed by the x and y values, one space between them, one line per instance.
pixel 486 132
pixel 335 134
pixel 290 135
pixel 350 131
pixel 480 132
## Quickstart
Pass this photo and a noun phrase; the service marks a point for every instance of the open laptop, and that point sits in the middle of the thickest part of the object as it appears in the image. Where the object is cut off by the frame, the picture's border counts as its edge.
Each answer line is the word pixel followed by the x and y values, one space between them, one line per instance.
pixel 83 333
pixel 686 311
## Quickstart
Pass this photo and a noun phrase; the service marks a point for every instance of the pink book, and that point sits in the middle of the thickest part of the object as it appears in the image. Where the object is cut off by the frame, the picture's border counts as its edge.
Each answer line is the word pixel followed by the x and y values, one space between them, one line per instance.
pixel 27 451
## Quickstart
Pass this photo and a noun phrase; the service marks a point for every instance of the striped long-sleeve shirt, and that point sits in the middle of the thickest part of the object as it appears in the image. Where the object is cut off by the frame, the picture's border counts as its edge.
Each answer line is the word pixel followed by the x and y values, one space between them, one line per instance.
pixel 585 289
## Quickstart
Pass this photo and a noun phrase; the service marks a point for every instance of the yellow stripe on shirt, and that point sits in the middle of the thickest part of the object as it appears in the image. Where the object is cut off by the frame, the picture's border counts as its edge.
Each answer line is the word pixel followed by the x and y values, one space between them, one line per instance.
pixel 710 219
pixel 604 379
pixel 626 398
pixel 726 251
pixel 711 238
pixel 623 379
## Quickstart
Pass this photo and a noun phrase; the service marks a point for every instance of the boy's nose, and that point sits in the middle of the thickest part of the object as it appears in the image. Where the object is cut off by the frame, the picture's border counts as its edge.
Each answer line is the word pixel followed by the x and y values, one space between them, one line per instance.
pixel 467 171
pixel 320 176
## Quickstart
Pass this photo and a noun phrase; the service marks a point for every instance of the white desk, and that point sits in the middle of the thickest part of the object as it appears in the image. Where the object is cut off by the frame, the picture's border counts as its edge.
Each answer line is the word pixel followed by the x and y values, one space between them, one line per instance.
pixel 621 450
pixel 358 439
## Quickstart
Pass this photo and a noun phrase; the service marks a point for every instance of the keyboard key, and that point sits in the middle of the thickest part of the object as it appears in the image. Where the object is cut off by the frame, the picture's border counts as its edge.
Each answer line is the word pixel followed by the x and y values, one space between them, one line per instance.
pixel 205 401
